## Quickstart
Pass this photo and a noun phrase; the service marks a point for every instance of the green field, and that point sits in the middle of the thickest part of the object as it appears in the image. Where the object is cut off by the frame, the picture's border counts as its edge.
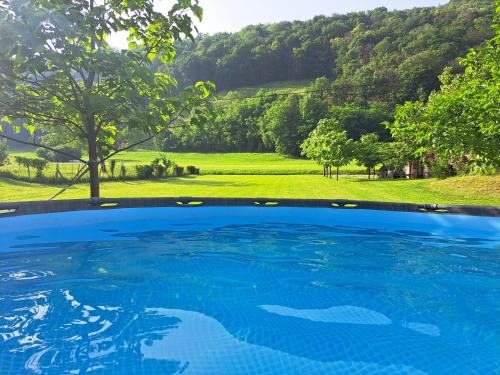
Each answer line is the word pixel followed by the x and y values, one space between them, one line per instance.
pixel 274 87
pixel 258 175
pixel 464 190
pixel 232 163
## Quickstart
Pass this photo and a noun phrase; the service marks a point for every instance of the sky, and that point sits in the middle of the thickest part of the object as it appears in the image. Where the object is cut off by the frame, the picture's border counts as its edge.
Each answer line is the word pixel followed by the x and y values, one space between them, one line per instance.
pixel 233 15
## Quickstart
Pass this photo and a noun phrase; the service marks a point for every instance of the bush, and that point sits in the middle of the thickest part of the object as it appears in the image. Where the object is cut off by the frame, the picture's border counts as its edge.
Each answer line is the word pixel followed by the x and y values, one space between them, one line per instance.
pixel 191 169
pixel 39 165
pixel 25 162
pixel 4 155
pixel 112 167
pixel 166 161
pixel 144 172
pixel 56 157
pixel 123 171
pixel 178 170
pixel 442 169
pixel 158 168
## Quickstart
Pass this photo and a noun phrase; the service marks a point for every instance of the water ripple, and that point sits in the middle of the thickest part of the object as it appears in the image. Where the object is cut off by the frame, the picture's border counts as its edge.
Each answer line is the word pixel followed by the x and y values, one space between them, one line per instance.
pixel 25 275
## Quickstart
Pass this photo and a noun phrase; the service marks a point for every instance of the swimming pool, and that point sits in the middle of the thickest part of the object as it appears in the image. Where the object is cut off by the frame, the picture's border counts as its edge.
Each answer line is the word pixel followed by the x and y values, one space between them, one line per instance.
pixel 249 290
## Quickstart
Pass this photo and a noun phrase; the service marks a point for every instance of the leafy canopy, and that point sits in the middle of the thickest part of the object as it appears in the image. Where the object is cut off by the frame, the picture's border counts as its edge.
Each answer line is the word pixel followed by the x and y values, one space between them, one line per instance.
pixel 462 119
pixel 369 151
pixel 58 73
pixel 329 145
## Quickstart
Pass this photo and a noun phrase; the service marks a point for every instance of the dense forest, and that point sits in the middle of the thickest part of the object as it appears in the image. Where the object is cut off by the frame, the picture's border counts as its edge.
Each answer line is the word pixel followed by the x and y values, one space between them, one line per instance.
pixel 361 67
pixel 381 55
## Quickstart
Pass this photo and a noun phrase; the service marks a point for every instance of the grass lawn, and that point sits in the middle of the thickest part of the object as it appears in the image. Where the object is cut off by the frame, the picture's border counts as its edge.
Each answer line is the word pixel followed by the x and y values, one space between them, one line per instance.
pixel 461 190
pixel 230 163
pixel 237 163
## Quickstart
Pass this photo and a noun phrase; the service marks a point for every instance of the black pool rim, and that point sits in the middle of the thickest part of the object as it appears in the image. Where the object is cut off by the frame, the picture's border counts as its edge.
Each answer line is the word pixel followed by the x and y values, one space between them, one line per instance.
pixel 45 207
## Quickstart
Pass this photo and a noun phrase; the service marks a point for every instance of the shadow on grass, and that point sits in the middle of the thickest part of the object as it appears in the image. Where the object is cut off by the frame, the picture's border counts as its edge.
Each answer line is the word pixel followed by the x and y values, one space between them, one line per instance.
pixel 14 182
pixel 385 179
pixel 187 181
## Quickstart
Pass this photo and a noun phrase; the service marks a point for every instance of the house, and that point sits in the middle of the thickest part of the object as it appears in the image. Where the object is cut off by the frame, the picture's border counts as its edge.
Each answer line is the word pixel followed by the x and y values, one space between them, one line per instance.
pixel 417 169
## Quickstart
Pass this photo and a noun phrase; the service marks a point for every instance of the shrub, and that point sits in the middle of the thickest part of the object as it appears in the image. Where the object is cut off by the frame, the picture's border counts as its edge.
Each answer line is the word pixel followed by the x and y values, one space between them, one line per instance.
pixel 39 165
pixel 442 169
pixel 178 170
pixel 160 171
pixel 191 169
pixel 112 166
pixel 4 155
pixel 25 162
pixel 158 168
pixel 144 172
pixel 56 157
pixel 45 154
pixel 166 161
pixel 123 171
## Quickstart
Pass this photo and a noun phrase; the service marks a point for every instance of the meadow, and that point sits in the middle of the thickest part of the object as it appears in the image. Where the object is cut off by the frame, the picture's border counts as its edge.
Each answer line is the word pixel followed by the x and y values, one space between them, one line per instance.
pixel 221 164
pixel 253 175
pixel 458 190
pixel 280 87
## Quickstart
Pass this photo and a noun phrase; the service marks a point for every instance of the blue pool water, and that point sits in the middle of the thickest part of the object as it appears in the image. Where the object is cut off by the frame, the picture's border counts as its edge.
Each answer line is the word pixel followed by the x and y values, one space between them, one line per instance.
pixel 213 290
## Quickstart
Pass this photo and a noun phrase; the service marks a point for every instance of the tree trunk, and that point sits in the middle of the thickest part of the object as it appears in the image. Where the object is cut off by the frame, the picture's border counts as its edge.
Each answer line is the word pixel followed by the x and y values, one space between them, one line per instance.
pixel 93 158
pixel 91 128
pixel 330 171
pixel 337 173
pixel 369 170
pixel 103 167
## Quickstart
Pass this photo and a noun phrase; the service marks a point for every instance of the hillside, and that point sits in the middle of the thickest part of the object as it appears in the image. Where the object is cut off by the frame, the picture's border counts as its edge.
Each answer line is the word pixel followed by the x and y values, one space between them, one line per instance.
pixel 384 55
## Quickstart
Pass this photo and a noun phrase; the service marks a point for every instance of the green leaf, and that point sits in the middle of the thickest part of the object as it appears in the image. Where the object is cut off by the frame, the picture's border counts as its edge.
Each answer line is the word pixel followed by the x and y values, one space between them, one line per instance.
pixel 30 128
pixel 198 11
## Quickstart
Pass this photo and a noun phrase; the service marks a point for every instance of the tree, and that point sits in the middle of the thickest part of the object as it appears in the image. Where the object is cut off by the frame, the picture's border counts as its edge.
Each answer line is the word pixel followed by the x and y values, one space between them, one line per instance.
pixel 368 151
pixel 395 155
pixel 280 125
pixel 461 120
pixel 312 109
pixel 358 121
pixel 409 127
pixel 4 154
pixel 58 72
pixel 329 146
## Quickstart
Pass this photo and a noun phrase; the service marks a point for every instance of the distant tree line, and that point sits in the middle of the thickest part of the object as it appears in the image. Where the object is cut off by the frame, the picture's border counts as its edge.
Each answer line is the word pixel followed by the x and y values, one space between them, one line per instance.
pixel 271 123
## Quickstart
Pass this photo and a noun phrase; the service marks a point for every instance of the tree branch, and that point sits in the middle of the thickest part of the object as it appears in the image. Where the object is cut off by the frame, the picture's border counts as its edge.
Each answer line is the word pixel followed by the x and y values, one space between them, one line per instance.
pixel 145 139
pixel 73 181
pixel 43 146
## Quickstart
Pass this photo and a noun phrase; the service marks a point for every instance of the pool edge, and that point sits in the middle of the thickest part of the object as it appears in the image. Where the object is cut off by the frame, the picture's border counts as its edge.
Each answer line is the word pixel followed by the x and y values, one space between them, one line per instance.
pixel 45 207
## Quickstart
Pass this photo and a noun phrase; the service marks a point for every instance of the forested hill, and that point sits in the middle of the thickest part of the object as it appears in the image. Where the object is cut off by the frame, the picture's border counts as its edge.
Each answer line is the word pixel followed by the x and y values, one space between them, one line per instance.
pixel 384 55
